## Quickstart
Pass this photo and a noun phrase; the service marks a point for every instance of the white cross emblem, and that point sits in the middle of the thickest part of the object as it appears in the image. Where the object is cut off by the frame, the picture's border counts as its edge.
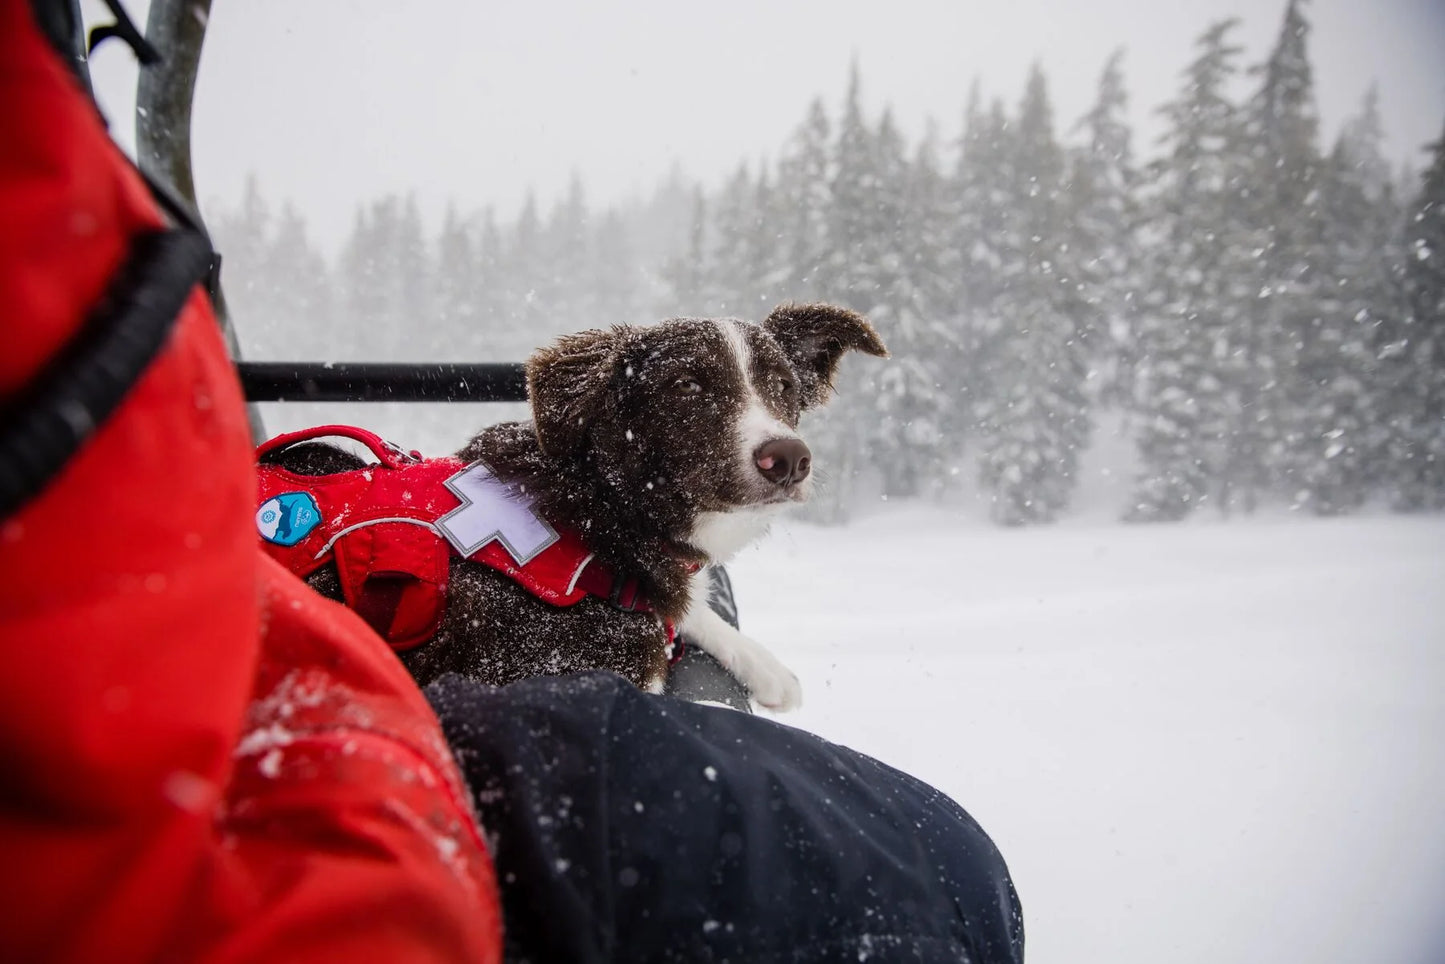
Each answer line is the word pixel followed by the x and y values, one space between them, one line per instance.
pixel 491 509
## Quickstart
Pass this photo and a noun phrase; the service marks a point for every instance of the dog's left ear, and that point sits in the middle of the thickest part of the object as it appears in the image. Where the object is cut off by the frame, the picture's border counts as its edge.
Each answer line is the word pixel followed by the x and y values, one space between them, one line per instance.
pixel 566 384
pixel 814 337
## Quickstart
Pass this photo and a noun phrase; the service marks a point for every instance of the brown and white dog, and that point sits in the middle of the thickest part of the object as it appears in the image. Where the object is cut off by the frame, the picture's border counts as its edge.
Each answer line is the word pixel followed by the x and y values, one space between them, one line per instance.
pixel 666 448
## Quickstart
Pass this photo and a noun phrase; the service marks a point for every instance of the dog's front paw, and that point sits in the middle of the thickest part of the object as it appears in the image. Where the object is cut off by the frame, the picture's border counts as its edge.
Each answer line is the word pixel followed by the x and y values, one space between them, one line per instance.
pixel 771 684
pixel 775 687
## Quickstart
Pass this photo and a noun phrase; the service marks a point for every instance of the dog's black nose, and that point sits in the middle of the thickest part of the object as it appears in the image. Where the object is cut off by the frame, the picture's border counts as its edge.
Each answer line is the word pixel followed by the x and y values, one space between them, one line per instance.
pixel 784 461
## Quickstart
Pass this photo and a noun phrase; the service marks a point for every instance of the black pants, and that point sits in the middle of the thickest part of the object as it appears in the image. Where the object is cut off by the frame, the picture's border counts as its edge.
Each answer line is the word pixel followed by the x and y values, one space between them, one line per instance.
pixel 629 827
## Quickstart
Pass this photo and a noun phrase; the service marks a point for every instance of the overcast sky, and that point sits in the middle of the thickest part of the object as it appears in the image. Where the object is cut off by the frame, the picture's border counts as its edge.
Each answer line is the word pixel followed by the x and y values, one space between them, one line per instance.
pixel 330 102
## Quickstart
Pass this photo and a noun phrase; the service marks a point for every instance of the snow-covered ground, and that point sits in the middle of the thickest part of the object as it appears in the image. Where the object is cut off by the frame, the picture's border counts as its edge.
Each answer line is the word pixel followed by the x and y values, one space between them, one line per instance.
pixel 1209 742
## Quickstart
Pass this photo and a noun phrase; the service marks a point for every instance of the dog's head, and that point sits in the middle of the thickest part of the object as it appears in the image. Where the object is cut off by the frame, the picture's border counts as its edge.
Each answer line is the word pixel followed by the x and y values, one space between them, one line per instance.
pixel 694 421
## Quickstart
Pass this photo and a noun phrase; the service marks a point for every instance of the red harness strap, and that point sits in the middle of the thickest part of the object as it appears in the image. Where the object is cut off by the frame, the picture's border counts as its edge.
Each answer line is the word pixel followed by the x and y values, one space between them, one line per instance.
pixel 392 528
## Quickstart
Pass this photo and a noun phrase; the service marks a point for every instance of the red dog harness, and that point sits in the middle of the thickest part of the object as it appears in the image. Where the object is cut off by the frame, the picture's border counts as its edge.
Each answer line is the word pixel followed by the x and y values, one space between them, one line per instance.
pixel 392 529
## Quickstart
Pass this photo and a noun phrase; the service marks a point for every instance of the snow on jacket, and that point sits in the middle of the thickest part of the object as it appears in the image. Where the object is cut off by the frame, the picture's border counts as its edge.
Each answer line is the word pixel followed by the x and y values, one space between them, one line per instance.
pixel 203 760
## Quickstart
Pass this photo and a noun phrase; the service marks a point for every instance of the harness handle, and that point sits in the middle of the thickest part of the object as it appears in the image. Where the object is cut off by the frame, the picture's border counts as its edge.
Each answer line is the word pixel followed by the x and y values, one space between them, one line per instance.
pixel 389 454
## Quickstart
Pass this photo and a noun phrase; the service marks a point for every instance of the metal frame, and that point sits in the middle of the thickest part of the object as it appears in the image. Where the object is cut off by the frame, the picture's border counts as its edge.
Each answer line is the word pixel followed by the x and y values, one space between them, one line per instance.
pixel 382 382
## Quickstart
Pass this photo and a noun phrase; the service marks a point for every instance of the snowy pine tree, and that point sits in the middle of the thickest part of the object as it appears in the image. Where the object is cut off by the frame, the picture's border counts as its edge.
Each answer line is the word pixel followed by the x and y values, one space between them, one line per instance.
pixel 243 236
pixel 804 202
pixel 907 431
pixel 524 279
pixel 659 231
pixel 930 302
pixel 1105 222
pixel 1034 417
pixel 277 284
pixel 1360 225
pixel 1416 357
pixel 300 286
pixel 763 251
pixel 488 288
pixel 386 277
pixel 371 300
pixel 245 233
pixel 686 273
pixel 746 273
pixel 415 277
pixel 1192 361
pixel 457 295
pixel 1276 436
pixel 976 209
pixel 562 266
pixel 849 275
pixel 611 291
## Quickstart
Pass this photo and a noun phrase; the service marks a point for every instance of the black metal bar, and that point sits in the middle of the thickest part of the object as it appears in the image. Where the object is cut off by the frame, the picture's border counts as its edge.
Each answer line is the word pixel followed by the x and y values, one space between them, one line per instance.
pixel 382 382
pixel 177 28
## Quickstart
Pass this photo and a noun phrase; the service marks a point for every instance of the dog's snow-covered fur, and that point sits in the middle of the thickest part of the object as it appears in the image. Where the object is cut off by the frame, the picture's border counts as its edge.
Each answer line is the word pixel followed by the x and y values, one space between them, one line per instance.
pixel 668 447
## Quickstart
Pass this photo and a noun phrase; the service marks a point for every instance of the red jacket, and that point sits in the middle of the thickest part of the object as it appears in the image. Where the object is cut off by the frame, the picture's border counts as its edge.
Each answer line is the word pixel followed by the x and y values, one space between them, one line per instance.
pixel 202 760
pixel 393 527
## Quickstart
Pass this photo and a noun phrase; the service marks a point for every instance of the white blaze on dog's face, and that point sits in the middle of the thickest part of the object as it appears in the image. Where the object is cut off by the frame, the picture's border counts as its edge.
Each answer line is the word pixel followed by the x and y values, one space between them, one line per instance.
pixel 694 421
pixel 772 464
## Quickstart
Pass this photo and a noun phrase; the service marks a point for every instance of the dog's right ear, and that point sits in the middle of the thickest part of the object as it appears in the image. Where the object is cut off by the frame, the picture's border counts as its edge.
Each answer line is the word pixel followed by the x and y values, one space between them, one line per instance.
pixel 814 338
pixel 566 384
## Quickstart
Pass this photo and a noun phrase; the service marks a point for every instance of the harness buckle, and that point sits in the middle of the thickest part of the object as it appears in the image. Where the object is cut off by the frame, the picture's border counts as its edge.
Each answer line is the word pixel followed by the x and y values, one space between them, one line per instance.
pixel 625 595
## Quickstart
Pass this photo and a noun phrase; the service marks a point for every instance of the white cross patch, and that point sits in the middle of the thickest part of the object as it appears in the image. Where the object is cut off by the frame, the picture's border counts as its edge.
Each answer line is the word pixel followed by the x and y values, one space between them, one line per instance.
pixel 490 510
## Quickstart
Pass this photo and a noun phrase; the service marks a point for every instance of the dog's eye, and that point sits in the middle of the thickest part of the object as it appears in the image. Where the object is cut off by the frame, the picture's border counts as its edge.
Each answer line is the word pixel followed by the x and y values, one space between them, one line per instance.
pixel 688 385
pixel 782 384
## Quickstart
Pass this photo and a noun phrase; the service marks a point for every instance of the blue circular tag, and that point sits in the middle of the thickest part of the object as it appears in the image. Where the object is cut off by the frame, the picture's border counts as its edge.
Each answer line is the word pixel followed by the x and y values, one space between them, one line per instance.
pixel 288 518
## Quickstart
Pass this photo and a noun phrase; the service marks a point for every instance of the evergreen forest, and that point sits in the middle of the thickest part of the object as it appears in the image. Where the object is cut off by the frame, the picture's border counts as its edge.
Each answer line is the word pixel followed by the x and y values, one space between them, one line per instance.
pixel 1261 312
